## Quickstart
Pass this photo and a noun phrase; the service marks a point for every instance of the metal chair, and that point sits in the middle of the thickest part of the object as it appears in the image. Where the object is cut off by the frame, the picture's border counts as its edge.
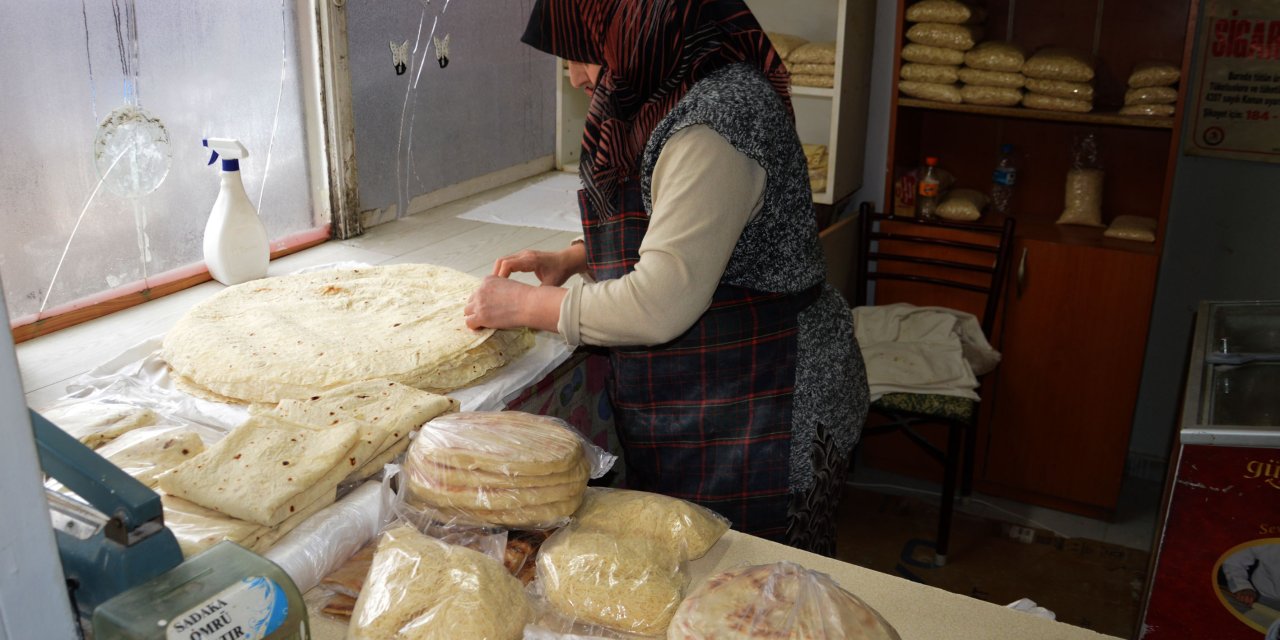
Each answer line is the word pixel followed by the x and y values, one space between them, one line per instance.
pixel 934 263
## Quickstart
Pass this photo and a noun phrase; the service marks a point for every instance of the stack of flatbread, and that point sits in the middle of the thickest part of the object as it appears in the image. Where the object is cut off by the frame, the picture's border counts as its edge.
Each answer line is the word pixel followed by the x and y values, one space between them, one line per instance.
pixel 283 465
pixel 420 587
pixel 780 600
pixel 296 336
pixel 497 467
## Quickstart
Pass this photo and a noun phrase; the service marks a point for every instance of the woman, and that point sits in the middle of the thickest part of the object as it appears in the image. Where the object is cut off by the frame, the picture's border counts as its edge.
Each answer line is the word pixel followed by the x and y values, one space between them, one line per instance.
pixel 736 380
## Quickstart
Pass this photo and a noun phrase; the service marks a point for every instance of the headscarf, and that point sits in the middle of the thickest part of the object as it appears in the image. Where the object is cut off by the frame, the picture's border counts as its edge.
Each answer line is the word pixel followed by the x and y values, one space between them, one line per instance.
pixel 651 52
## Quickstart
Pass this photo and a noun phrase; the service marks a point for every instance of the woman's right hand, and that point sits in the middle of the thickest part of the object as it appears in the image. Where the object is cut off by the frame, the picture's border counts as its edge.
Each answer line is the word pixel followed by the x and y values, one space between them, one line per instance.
pixel 552 268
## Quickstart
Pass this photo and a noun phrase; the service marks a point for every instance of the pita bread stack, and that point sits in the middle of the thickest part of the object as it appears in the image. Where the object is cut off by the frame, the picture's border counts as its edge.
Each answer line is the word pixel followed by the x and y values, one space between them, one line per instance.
pixel 296 336
pixel 285 464
pixel 504 468
pixel 780 600
pixel 420 587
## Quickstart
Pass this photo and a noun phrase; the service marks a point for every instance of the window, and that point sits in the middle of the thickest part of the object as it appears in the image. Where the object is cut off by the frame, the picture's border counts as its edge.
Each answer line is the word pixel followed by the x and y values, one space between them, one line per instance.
pixel 104 185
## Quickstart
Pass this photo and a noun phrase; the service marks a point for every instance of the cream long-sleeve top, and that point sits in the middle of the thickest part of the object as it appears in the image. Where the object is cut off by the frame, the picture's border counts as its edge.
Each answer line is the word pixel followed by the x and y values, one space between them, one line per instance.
pixel 704 192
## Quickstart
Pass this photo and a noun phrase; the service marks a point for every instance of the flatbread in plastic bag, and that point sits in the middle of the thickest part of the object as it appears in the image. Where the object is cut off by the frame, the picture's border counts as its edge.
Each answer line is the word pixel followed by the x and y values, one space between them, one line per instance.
pixel 96 423
pixel 963 204
pixel 996 55
pixel 1151 95
pixel 1158 110
pixel 1059 63
pixel 599 580
pixel 815 53
pixel 1061 89
pixel 946 11
pixel 780 600
pixel 785 43
pixel 420 587
pixel 1153 73
pixel 1137 228
pixel 147 452
pixel 943 73
pixel 1083 198
pixel 990 96
pixel 686 529
pixel 926 54
pixel 951 36
pixel 981 78
pixel 1049 103
pixel 931 91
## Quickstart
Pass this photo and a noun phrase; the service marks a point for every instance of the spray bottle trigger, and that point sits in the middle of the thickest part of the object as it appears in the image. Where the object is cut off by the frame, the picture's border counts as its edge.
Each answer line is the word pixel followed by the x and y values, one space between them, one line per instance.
pixel 214 155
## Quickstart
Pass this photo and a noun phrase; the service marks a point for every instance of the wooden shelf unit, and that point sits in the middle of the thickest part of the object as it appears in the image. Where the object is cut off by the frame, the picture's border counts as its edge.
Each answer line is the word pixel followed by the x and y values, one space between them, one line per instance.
pixel 1055 422
pixel 835 117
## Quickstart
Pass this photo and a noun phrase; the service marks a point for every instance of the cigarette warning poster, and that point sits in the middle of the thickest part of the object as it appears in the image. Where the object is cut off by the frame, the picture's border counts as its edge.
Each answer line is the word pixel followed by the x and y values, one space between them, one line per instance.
pixel 1235 105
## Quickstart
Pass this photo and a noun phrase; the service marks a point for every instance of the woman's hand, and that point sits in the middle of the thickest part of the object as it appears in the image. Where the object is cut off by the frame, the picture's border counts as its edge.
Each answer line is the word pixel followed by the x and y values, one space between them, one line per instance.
pixel 1246 596
pixel 551 268
pixel 502 303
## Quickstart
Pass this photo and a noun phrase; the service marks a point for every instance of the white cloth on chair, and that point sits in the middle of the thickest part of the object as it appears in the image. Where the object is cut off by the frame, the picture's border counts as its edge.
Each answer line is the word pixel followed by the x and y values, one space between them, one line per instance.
pixel 931 350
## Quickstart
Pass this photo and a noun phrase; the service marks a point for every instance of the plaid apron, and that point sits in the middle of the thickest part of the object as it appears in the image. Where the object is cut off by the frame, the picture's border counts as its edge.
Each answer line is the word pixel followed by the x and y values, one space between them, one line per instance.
pixel 707 416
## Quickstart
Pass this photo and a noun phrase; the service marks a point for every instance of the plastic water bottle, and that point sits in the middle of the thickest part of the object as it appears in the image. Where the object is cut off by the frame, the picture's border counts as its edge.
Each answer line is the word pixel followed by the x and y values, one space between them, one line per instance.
pixel 928 190
pixel 1003 179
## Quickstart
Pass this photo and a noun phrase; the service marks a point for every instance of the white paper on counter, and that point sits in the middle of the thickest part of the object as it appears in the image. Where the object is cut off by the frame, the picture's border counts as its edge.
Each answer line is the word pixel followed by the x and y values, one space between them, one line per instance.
pixel 327 539
pixel 551 203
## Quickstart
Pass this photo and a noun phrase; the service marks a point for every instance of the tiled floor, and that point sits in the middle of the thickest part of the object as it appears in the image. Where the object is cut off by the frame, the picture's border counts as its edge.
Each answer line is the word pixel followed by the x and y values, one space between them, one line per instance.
pixel 1134 526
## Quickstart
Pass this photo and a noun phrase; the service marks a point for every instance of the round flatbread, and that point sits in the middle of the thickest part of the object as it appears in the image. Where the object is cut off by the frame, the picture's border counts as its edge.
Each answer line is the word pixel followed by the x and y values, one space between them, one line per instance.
pixel 780 600
pixel 294 336
pixel 533 516
pixel 499 442
pixel 426 471
pixel 684 528
pixel 495 498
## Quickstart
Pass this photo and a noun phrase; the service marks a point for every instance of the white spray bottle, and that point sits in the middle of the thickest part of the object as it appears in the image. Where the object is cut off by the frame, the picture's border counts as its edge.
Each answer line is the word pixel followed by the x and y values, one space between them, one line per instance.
pixel 235 242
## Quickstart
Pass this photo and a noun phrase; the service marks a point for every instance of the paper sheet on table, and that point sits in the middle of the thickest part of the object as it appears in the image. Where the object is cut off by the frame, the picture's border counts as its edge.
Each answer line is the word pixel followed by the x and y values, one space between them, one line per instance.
pixel 551 203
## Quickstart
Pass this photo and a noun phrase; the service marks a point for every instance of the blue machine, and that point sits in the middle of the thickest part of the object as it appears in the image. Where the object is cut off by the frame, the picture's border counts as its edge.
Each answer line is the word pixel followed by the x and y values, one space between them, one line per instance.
pixel 118 540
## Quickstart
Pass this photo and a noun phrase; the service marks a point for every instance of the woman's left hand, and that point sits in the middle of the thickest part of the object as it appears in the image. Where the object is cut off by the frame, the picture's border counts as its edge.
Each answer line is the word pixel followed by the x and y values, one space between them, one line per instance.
pixel 502 303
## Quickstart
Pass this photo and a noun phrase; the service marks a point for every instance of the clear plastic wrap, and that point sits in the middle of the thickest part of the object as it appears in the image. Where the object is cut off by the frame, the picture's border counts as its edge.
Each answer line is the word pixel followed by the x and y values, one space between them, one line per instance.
pixel 963 204
pixel 1049 103
pixel 147 452
pixel 996 55
pixel 981 78
pixel 1154 73
pixel 95 423
pixel 505 468
pixel 486 538
pixel 420 587
pixel 1061 89
pixel 1059 63
pixel 991 96
pixel 946 11
pixel 926 54
pixel 1157 110
pixel 780 600
pixel 348 579
pixel 917 72
pixel 951 36
pixel 323 542
pixel 683 528
pixel 1151 95
pixel 931 91
pixel 1084 185
pixel 600 584
pixel 1136 228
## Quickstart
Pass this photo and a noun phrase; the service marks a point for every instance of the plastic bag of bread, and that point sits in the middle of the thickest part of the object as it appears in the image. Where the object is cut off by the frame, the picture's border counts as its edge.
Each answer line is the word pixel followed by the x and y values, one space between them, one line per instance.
pixel 1159 110
pixel 1049 103
pixel 785 43
pixel 420 587
pixel 940 73
pixel 995 55
pixel 991 96
pixel 686 529
pixel 1061 89
pixel 1152 73
pixel 600 584
pixel 1138 228
pixel 1083 202
pixel 931 91
pixel 814 53
pixel 780 600
pixel 963 204
pixel 981 78
pixel 926 54
pixel 946 11
pixel 961 37
pixel 1151 95
pixel 95 423
pixel 1059 63
pixel 506 468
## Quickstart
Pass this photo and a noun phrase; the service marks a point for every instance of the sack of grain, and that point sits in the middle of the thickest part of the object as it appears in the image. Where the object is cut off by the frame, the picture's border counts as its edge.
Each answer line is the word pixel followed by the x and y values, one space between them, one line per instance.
pixel 1061 89
pixel 785 43
pixel 990 96
pixel 931 91
pixel 1137 228
pixel 1154 74
pixel 813 80
pixel 1159 110
pixel 814 52
pixel 811 69
pixel 995 55
pixel 936 73
pixel 1151 95
pixel 780 600
pixel 945 11
pixel 1050 103
pixel 926 54
pixel 951 36
pixel 1083 198
pixel 963 204
pixel 1058 63
pixel 982 78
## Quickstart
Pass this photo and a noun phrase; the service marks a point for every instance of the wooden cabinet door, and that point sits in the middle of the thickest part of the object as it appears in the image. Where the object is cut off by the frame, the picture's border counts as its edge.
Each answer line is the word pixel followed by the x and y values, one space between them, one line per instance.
pixel 1074 335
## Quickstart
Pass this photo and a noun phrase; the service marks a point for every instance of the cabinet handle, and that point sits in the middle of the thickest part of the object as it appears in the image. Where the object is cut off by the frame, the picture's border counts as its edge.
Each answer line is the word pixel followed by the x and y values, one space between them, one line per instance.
pixel 1022 271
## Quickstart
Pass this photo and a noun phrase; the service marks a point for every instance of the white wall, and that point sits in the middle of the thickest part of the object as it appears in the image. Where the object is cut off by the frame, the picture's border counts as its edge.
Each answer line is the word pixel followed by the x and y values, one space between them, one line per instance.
pixel 877 149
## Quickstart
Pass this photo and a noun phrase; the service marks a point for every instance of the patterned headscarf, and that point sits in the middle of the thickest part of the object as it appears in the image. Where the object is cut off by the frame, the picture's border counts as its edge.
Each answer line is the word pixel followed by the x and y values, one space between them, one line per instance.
pixel 652 52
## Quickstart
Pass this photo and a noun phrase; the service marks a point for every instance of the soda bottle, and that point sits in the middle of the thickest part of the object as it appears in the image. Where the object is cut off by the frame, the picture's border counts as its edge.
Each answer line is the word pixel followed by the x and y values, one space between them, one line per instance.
pixel 1003 179
pixel 928 190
